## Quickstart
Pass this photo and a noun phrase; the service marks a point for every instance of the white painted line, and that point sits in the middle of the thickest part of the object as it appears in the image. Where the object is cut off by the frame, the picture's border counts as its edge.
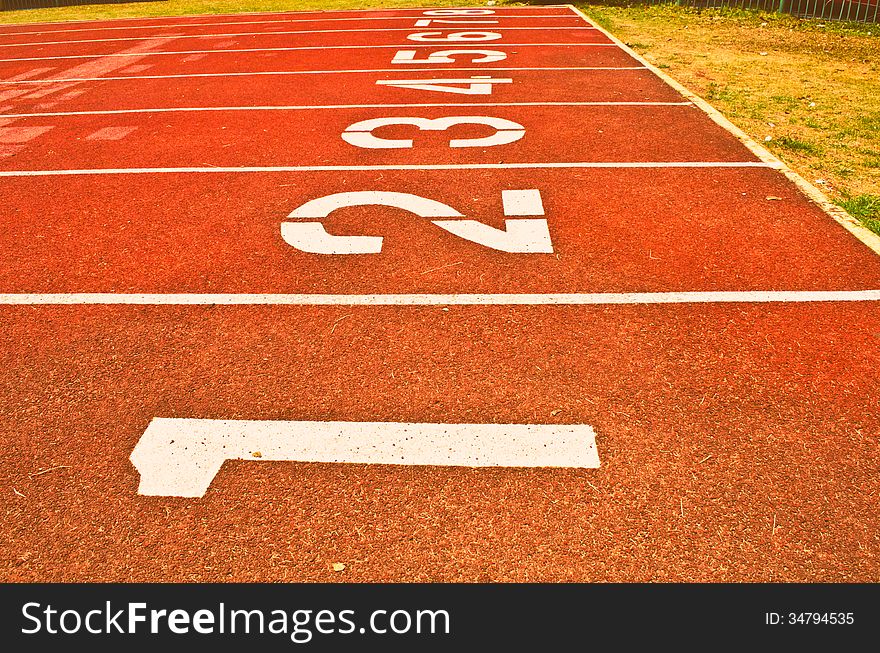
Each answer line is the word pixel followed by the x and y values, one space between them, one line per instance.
pixel 495 46
pixel 268 22
pixel 135 69
pixel 368 168
pixel 180 457
pixel 319 12
pixel 464 299
pixel 284 33
pixel 113 112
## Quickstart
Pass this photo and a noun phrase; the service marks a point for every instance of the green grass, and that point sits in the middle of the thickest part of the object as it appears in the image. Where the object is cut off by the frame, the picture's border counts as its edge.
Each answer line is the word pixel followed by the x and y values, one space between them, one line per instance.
pixel 806 89
pixel 797 145
pixel 865 208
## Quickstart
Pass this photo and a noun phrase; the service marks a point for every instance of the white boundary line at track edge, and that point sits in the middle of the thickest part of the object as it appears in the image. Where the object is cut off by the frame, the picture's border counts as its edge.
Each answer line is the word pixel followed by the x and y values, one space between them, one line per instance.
pixel 865 235
pixel 368 168
pixel 148 53
pixel 495 299
pixel 310 72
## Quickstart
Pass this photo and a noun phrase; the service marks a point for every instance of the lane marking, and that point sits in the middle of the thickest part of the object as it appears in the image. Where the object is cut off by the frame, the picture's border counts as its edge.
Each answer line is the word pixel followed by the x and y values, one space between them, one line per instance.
pixel 268 22
pixel 180 457
pixel 303 107
pixel 279 33
pixel 320 12
pixel 9 95
pixel 137 68
pixel 21 134
pixel 367 168
pixel 433 299
pixel 496 46
pixel 30 73
pixel 301 72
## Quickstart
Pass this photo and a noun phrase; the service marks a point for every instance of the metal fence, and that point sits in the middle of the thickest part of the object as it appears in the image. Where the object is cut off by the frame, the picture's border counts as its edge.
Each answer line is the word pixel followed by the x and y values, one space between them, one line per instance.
pixel 9 5
pixel 859 11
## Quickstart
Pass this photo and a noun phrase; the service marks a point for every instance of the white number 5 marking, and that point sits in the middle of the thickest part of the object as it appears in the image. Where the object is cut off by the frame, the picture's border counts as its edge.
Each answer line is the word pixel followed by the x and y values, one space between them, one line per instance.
pixel 360 133
pixel 446 56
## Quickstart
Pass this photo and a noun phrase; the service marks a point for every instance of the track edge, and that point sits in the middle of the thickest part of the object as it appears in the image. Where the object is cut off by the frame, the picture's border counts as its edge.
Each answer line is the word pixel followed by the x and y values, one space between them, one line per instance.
pixel 839 215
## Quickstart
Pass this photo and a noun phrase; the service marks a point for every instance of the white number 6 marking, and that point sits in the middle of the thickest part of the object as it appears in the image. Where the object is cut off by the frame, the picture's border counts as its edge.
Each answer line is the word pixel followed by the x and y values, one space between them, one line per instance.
pixel 360 133
pixel 454 36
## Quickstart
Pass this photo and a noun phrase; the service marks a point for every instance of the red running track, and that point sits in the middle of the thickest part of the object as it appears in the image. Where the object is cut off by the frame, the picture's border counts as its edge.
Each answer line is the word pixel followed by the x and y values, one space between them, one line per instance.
pixel 737 441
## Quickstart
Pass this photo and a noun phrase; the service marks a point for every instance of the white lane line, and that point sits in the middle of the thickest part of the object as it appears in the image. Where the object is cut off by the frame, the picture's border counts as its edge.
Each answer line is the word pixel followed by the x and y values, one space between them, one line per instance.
pixel 464 299
pixel 284 33
pixel 370 168
pixel 320 12
pixel 180 457
pixel 279 22
pixel 305 72
pixel 304 107
pixel 495 46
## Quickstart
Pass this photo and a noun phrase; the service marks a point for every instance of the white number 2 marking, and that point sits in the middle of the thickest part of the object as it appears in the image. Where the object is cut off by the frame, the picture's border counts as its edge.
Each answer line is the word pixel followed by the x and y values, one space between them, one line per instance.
pixel 519 236
pixel 361 134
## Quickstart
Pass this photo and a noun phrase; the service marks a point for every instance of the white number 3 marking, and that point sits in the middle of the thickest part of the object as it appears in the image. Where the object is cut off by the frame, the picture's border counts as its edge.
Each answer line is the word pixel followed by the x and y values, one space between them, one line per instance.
pixel 361 134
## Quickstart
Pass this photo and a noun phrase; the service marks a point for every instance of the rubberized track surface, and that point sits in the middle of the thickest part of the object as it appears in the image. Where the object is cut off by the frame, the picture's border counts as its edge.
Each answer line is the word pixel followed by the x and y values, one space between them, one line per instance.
pixel 738 441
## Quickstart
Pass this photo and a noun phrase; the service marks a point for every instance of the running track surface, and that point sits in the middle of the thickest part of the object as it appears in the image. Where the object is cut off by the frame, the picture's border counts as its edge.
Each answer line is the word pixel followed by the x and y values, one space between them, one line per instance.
pixel 154 160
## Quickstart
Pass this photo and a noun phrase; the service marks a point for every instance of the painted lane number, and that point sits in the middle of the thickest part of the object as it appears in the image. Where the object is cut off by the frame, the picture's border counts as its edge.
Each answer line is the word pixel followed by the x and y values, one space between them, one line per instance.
pixel 448 56
pixel 361 133
pixel 474 85
pixel 522 235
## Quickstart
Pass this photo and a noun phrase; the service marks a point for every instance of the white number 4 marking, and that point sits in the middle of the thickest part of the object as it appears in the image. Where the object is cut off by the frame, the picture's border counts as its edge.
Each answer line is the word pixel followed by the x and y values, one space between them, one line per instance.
pixel 520 236
pixel 474 85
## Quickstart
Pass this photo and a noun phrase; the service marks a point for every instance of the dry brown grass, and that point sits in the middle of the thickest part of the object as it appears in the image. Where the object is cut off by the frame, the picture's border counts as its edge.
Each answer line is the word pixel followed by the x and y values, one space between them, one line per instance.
pixel 811 87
